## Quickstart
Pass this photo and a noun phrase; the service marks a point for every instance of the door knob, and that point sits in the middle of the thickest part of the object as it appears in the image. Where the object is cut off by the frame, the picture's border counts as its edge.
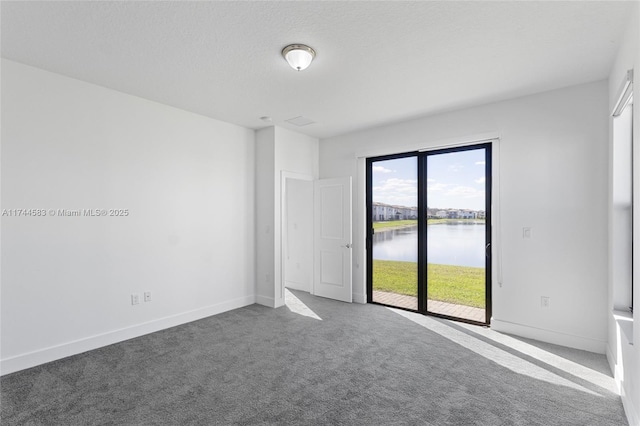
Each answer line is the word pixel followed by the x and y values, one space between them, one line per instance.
pixel 348 245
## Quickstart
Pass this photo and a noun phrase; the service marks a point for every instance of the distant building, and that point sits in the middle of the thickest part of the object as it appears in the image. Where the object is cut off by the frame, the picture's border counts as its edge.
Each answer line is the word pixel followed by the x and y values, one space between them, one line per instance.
pixel 466 214
pixel 382 212
pixel 379 212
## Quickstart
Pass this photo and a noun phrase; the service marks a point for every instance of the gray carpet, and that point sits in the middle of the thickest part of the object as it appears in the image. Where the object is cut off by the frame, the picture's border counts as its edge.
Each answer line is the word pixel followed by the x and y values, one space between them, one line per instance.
pixel 359 364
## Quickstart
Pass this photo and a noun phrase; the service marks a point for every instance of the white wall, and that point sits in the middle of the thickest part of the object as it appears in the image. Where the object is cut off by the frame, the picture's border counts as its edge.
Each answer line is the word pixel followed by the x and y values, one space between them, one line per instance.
pixel 186 180
pixel 265 215
pixel 282 151
pixel 553 178
pixel 623 357
pixel 621 215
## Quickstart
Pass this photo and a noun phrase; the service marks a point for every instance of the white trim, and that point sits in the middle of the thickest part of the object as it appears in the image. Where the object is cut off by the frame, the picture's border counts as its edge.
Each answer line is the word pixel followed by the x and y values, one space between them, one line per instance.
pixel 615 370
pixel 265 301
pixel 629 408
pixel 550 336
pixel 430 145
pixel 625 94
pixel 496 216
pixel 624 323
pixel 360 230
pixel 41 356
pixel 459 144
pixel 359 298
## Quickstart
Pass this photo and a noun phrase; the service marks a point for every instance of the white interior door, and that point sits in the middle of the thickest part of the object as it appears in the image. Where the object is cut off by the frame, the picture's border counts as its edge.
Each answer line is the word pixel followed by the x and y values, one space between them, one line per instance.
pixel 332 239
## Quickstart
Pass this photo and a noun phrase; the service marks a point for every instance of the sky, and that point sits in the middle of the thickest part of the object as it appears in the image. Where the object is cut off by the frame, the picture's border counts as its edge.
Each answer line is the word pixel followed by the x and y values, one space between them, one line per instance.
pixel 454 180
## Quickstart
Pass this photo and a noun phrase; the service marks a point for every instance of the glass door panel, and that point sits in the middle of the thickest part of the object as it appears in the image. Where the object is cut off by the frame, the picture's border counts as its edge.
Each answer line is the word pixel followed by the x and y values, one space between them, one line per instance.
pixel 456 234
pixel 394 219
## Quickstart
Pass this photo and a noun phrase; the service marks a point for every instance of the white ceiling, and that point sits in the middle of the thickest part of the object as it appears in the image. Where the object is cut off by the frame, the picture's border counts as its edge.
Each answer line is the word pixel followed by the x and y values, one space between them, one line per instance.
pixel 377 62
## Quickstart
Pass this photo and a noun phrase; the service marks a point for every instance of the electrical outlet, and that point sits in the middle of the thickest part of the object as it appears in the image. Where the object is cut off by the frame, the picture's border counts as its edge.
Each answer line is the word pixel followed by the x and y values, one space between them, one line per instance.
pixel 147 296
pixel 135 299
pixel 545 302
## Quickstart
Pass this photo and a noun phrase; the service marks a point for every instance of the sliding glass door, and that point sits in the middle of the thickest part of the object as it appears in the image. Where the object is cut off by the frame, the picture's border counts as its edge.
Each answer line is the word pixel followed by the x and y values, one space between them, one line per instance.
pixel 457 237
pixel 429 232
pixel 394 214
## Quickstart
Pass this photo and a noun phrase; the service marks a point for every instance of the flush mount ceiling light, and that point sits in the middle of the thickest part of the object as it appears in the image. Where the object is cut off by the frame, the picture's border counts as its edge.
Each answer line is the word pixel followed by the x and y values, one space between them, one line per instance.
pixel 299 56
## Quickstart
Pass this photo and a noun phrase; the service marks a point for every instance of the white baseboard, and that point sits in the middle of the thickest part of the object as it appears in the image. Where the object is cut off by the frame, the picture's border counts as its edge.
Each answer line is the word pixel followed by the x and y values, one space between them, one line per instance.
pixel 359 298
pixel 611 359
pixel 266 301
pixel 549 336
pixel 616 372
pixel 631 410
pixel 42 356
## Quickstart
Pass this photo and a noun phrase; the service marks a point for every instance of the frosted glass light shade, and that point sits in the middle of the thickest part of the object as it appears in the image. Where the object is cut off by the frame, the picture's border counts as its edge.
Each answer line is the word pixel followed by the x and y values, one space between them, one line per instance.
pixel 299 56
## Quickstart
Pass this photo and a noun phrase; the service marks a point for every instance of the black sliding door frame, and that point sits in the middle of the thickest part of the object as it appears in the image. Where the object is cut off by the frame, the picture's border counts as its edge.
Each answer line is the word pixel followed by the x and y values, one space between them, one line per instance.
pixel 369 201
pixel 422 284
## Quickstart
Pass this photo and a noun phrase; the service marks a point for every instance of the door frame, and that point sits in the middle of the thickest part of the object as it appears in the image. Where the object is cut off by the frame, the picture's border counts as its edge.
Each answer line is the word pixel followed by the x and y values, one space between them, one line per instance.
pixel 282 233
pixel 491 232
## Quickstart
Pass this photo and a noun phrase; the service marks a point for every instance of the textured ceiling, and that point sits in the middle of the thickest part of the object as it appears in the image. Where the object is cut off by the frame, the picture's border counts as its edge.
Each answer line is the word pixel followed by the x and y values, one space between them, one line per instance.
pixel 377 62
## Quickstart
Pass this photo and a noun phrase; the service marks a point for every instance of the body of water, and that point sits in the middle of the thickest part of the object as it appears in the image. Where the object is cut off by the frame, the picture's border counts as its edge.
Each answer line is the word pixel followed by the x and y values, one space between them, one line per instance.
pixel 460 244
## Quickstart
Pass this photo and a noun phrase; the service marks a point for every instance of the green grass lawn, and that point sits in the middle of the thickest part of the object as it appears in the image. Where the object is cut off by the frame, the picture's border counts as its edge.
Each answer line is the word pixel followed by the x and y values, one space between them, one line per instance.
pixel 462 285
pixel 391 224
pixel 394 224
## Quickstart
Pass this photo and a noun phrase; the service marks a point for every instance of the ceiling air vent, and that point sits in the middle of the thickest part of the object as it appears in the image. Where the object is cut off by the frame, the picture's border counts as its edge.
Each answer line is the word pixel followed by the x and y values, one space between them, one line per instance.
pixel 300 121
